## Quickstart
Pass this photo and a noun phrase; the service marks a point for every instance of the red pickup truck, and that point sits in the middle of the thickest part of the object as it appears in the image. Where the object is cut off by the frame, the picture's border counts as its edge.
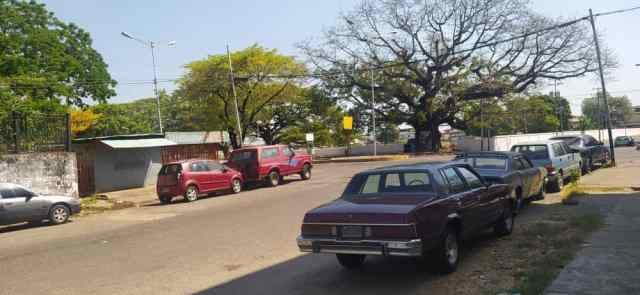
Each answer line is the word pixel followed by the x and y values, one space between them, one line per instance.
pixel 270 163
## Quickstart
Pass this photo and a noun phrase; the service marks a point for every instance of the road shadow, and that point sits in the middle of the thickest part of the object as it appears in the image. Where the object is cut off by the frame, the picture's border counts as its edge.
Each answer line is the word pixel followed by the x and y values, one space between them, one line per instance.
pixel 27 226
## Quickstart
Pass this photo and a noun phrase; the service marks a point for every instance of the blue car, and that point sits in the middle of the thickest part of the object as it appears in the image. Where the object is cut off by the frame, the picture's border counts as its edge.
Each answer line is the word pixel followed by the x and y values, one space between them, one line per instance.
pixel 556 157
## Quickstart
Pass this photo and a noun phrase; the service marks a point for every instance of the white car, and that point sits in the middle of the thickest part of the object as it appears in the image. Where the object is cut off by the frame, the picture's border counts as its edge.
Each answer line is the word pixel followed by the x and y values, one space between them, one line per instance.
pixel 554 155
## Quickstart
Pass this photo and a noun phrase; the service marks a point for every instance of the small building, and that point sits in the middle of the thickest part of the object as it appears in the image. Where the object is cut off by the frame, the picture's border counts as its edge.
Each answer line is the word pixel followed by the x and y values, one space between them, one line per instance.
pixel 130 161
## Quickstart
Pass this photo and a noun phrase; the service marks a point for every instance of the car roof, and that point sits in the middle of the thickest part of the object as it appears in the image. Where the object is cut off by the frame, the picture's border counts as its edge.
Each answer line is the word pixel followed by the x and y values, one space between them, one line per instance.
pixel 428 166
pixel 538 142
pixel 508 154
pixel 256 147
pixel 186 161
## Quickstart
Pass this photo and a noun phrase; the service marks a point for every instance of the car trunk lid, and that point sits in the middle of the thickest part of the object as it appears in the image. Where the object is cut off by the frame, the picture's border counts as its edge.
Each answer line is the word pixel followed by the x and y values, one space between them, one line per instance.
pixel 383 210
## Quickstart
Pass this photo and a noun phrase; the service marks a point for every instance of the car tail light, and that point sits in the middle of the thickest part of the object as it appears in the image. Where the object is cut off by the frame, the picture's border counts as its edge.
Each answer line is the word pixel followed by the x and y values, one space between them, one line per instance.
pixel 550 169
pixel 393 232
pixel 318 230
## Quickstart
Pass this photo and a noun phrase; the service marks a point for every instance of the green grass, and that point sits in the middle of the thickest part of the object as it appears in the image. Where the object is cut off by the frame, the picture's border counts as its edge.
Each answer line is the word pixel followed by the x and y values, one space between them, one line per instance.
pixel 560 243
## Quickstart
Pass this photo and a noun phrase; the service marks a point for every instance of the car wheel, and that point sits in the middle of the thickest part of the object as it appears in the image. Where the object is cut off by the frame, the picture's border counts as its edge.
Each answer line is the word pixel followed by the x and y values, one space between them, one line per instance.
pixel 306 172
pixel 504 226
pixel 350 261
pixel 557 185
pixel 165 199
pixel 191 194
pixel 447 252
pixel 236 186
pixel 273 179
pixel 59 214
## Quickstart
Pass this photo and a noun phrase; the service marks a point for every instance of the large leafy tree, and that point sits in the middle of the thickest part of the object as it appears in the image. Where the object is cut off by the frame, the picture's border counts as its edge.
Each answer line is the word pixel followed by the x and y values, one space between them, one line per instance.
pixel 431 56
pixel 44 58
pixel 620 110
pixel 263 78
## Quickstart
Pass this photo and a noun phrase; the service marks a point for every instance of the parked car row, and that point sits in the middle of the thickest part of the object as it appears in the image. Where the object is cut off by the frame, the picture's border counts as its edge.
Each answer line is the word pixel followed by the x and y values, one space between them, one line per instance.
pixel 426 209
pixel 191 179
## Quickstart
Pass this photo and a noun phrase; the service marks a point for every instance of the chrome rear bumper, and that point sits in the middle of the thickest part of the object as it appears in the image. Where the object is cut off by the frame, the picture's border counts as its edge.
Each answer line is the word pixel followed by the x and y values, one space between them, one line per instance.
pixel 364 247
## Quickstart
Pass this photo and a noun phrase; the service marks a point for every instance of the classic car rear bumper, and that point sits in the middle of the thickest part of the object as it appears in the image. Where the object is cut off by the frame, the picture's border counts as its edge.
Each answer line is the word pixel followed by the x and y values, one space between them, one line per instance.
pixel 365 247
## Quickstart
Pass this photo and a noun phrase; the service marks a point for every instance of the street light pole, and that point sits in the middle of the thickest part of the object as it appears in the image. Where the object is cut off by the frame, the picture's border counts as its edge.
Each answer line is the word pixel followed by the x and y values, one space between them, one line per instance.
pixel 235 98
pixel 373 113
pixel 152 46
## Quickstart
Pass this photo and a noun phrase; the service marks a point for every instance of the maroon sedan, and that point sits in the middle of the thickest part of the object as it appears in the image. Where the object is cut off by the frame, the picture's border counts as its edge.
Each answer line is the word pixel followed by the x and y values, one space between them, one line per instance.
pixel 193 178
pixel 411 210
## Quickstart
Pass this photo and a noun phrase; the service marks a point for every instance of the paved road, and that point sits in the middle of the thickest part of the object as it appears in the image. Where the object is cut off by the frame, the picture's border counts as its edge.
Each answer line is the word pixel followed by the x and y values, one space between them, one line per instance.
pixel 219 242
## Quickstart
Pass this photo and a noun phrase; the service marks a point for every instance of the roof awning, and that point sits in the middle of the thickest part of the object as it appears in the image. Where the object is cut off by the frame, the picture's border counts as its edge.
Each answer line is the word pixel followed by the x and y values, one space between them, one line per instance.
pixel 137 143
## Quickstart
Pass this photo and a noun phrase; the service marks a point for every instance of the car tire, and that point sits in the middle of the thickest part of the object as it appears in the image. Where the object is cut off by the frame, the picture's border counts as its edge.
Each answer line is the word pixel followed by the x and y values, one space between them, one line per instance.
pixel 191 194
pixel 306 172
pixel 165 199
pixel 557 185
pixel 273 179
pixel 236 186
pixel 541 194
pixel 59 214
pixel 504 226
pixel 350 261
pixel 447 253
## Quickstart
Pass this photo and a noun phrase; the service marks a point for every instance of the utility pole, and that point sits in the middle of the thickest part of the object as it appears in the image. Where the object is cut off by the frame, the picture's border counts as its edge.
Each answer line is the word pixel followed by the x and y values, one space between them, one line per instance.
pixel 482 124
pixel 604 89
pixel 235 98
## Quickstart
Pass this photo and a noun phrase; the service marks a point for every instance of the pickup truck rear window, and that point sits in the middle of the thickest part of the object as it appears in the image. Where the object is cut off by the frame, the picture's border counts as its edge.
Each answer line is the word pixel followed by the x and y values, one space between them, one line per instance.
pixel 239 156
pixel 389 183
pixel 534 152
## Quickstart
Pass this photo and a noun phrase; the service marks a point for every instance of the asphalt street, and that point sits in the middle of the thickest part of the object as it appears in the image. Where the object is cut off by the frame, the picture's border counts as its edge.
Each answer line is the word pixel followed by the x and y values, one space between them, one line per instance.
pixel 183 247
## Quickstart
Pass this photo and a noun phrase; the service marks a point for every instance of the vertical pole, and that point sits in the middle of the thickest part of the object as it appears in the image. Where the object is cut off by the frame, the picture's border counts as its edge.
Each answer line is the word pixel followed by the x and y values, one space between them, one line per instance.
pixel 235 98
pixel 155 85
pixel 604 89
pixel 67 142
pixel 599 114
pixel 373 114
pixel 16 132
pixel 482 124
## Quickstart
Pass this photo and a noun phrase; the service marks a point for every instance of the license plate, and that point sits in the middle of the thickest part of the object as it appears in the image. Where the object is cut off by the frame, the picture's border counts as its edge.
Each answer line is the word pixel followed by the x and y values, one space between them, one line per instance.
pixel 352 231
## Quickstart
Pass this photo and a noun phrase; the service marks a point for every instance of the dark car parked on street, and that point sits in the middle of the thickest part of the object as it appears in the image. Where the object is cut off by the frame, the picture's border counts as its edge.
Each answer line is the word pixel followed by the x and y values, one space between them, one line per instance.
pixel 526 182
pixel 270 163
pixel 624 141
pixel 193 178
pixel 19 204
pixel 591 150
pixel 408 210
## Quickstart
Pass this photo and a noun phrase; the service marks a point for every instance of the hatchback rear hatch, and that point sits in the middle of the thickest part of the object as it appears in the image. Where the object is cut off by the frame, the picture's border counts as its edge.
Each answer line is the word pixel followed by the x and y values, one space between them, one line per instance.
pixel 169 175
pixel 246 162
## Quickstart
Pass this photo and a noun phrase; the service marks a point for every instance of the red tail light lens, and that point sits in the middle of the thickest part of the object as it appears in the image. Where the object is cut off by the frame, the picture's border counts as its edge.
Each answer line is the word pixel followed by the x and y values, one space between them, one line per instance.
pixel 393 232
pixel 550 168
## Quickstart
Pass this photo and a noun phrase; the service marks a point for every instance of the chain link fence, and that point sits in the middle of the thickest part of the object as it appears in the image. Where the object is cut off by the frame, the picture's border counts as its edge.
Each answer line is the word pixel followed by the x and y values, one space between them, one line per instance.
pixel 31 132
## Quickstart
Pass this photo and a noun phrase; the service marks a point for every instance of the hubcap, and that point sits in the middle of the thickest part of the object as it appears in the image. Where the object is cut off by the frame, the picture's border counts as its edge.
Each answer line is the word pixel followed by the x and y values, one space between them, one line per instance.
pixel 192 194
pixel 451 246
pixel 274 178
pixel 508 223
pixel 59 214
pixel 236 186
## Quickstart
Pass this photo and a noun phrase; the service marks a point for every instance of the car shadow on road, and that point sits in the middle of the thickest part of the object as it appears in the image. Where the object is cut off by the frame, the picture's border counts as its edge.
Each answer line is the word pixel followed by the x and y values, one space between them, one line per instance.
pixel 25 226
pixel 321 274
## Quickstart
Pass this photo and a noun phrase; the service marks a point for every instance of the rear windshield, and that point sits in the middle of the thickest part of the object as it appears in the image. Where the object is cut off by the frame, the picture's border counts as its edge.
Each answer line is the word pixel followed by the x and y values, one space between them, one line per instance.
pixel 171 169
pixel 389 183
pixel 493 162
pixel 245 155
pixel 569 140
pixel 534 152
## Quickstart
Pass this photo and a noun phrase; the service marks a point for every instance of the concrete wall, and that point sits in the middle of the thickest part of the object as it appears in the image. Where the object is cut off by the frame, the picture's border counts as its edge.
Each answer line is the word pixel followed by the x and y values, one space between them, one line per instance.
pixel 46 173
pixel 117 169
pixel 504 142
pixel 359 150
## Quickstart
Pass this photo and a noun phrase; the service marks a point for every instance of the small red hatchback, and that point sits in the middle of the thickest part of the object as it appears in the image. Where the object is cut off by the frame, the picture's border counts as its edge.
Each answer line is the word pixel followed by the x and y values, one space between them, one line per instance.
pixel 193 178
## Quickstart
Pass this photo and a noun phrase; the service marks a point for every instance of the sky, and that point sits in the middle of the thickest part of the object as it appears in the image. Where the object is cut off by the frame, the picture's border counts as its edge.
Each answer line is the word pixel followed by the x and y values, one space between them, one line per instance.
pixel 201 28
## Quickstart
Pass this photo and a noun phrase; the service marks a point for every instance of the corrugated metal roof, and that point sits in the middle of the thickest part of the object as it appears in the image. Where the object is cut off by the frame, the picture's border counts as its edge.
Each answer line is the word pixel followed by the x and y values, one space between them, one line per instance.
pixel 137 143
pixel 198 137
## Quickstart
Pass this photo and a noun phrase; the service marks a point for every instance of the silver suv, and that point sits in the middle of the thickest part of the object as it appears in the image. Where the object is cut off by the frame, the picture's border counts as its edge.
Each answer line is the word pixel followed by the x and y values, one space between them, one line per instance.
pixel 18 204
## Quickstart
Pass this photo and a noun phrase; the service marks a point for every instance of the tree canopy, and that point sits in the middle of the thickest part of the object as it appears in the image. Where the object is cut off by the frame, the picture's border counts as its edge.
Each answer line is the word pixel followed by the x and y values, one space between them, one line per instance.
pixel 264 79
pixel 429 57
pixel 44 58
pixel 620 111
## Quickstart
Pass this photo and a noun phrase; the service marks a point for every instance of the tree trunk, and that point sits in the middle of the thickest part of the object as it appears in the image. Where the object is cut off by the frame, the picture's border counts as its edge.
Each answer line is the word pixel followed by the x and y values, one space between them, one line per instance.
pixel 233 137
pixel 427 137
pixel 434 136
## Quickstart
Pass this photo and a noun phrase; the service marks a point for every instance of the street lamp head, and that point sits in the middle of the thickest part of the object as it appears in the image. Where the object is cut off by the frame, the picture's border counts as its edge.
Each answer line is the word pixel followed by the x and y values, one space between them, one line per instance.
pixel 126 35
pixel 637 65
pixel 171 43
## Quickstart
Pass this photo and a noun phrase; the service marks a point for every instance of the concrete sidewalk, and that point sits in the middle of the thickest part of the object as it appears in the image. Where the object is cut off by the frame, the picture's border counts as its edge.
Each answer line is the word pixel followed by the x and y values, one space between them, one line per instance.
pixel 610 261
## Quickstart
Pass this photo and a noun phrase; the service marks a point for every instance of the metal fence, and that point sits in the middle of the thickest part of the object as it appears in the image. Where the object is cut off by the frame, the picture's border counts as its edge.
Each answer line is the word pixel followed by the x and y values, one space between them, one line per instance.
pixel 29 132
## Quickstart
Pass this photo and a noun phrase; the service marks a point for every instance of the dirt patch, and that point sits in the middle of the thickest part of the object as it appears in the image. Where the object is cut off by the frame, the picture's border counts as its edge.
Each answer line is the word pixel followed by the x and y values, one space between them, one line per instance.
pixel 97 204
pixel 546 237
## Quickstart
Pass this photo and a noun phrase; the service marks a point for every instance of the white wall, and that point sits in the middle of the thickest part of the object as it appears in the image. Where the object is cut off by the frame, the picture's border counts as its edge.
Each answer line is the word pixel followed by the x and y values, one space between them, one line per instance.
pixel 359 150
pixel 504 142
